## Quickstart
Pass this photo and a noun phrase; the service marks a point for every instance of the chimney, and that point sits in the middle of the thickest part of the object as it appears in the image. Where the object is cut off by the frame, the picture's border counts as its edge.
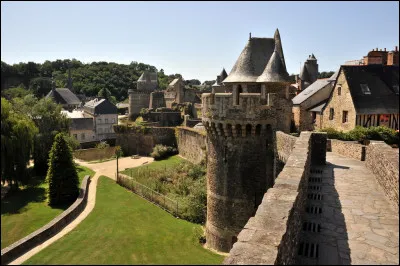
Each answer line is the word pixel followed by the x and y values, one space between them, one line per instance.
pixel 376 49
pixel 380 49
pixel 395 48
pixel 385 49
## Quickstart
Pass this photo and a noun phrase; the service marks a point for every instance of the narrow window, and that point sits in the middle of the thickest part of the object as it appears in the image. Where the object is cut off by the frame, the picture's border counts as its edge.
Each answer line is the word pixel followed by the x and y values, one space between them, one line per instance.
pixel 345 118
pixel 106 121
pixel 339 91
pixel 99 120
pixel 365 89
pixel 314 117
pixel 331 113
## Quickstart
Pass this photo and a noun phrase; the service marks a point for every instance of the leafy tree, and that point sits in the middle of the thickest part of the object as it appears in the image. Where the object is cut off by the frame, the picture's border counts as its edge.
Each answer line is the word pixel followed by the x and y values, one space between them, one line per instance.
pixel 17 135
pixel 106 94
pixel 50 121
pixel 61 175
pixel 15 92
pixel 324 74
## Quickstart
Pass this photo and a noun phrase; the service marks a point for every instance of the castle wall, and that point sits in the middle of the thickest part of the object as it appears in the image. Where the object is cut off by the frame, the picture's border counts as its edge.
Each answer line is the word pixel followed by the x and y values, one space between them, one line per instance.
pixel 157 100
pixel 383 161
pixel 137 101
pixel 133 141
pixel 166 119
pixel 191 144
pixel 273 234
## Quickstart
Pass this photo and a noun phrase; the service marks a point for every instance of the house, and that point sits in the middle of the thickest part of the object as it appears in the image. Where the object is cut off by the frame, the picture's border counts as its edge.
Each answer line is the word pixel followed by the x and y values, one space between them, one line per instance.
pixel 81 127
pixel 363 95
pixel 304 104
pixel 65 97
pixel 104 115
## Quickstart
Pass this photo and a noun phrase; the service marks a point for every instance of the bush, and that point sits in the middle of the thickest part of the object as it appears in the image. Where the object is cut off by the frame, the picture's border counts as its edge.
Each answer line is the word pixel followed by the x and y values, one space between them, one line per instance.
pixel 61 175
pixel 162 152
pixel 390 136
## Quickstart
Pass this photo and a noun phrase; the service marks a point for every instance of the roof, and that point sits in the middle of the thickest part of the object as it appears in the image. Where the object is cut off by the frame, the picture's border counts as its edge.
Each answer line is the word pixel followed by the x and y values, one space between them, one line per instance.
pixel 100 106
pixel 318 107
pixel 275 70
pixel 122 105
pixel 380 80
pixel 174 81
pixel 82 123
pixel 311 90
pixel 74 113
pixel 252 61
pixel 63 96
pixel 304 75
pixel 148 77
pixel 223 74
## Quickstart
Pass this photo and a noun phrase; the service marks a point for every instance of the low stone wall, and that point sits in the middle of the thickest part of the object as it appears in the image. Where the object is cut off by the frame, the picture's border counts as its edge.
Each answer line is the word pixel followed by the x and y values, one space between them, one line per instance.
pixel 34 239
pixel 142 143
pixel 284 145
pixel 351 149
pixel 191 144
pixel 94 154
pixel 383 161
pixel 272 235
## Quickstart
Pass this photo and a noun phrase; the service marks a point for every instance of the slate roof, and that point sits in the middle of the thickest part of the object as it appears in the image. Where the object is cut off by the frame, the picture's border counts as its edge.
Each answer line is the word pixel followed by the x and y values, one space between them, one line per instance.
pixel 380 80
pixel 100 106
pixel 304 75
pixel 254 59
pixel 148 77
pixel 318 108
pixel 223 74
pixel 334 76
pixel 82 124
pixel 63 96
pixel 311 90
pixel 274 71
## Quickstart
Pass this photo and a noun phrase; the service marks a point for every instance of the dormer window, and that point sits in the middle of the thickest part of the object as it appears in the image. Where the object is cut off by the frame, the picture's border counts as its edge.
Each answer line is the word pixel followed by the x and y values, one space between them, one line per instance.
pixel 396 89
pixel 365 89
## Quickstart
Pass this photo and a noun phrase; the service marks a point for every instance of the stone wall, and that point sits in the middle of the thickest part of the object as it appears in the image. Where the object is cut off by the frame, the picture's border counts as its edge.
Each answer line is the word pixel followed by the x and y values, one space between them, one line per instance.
pixel 191 144
pixel 34 239
pixel 135 142
pixel 272 235
pixel 351 149
pixel 383 161
pixel 284 145
pixel 94 154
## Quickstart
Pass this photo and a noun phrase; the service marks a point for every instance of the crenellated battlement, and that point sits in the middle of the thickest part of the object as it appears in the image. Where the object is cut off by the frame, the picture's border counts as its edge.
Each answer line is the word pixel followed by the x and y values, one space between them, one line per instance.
pixel 249 107
pixel 228 130
pixel 138 92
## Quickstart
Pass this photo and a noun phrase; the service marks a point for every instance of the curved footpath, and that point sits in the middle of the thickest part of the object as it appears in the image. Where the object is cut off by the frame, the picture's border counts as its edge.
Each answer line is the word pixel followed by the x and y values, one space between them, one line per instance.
pixel 107 169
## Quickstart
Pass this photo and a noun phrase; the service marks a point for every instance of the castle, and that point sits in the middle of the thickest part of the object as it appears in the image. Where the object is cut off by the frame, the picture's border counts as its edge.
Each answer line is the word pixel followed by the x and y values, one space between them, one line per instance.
pixel 241 125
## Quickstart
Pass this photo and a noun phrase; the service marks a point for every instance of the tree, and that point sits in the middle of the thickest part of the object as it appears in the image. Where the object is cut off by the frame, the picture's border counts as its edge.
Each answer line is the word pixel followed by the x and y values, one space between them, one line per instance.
pixel 50 121
pixel 62 176
pixel 17 135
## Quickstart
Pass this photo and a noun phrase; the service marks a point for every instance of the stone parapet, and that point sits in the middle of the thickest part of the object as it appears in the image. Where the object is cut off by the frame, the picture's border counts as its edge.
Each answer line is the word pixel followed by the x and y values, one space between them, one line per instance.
pixel 191 144
pixel 284 145
pixel 383 161
pixel 351 149
pixel 34 239
pixel 272 235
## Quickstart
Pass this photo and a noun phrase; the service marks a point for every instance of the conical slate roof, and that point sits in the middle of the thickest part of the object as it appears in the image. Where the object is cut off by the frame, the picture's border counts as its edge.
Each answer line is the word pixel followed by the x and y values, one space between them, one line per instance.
pixel 304 75
pixel 278 45
pixel 252 61
pixel 223 74
pixel 275 71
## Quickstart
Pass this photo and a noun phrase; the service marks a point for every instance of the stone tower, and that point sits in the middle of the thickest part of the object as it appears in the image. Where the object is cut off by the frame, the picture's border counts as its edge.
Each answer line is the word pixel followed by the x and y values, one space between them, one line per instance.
pixel 241 127
pixel 140 98
pixel 309 72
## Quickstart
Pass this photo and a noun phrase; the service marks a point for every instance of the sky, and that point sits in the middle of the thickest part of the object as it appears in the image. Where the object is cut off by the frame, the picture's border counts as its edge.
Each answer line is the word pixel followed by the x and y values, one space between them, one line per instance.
pixel 195 39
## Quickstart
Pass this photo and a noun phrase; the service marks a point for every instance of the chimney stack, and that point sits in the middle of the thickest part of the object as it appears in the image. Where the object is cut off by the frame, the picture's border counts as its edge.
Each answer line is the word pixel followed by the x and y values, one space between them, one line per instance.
pixel 395 48
pixel 385 50
pixel 376 49
pixel 380 49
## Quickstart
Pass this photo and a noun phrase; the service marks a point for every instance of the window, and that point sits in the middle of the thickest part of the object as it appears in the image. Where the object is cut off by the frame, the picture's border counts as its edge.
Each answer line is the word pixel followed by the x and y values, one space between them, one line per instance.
pixel 76 136
pixel 83 136
pixel 113 120
pixel 100 130
pixel 331 113
pixel 314 117
pixel 365 88
pixel 339 90
pixel 345 117
pixel 106 121
pixel 396 89
pixel 99 120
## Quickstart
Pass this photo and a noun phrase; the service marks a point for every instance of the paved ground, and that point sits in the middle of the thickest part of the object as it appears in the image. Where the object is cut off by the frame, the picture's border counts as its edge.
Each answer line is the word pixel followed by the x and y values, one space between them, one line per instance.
pixel 357 223
pixel 108 169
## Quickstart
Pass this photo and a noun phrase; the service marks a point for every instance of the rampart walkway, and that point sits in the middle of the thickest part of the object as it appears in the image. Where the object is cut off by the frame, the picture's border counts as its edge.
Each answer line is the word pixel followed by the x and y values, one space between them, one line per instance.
pixel 348 218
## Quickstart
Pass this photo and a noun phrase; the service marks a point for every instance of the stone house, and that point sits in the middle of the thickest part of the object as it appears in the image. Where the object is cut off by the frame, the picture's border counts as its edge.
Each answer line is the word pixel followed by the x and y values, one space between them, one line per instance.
pixel 308 101
pixel 104 115
pixel 363 95
pixel 65 97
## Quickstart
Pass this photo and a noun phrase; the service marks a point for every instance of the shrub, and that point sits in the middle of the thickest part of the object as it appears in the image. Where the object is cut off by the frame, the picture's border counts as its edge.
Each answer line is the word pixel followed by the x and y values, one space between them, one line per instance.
pixel 162 152
pixel 61 175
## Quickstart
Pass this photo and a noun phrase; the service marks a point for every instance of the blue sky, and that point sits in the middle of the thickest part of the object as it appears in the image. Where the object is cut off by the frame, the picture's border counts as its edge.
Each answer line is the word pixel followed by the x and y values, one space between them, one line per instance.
pixel 195 39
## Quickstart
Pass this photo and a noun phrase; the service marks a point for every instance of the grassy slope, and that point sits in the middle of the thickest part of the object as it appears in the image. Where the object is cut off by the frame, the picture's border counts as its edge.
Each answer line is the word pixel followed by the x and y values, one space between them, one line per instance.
pixel 140 173
pixel 26 211
pixel 125 229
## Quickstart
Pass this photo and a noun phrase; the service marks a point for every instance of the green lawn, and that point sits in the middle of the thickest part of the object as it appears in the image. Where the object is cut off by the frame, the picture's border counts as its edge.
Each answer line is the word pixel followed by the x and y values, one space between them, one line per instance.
pixel 25 211
pixel 126 229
